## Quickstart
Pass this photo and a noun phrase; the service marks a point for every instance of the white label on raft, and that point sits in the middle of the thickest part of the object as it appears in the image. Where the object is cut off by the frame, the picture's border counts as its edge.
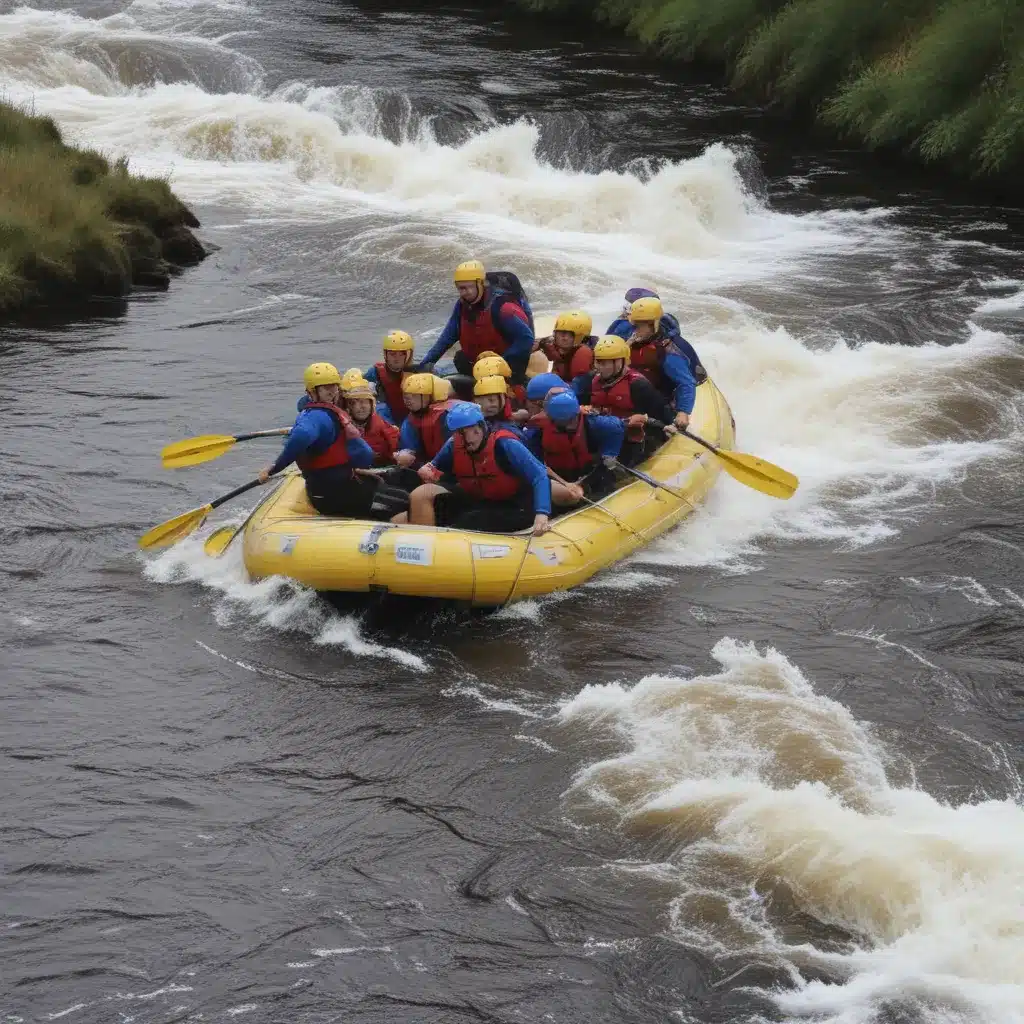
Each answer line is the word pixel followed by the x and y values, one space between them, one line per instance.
pixel 415 551
pixel 288 544
pixel 490 550
pixel 548 556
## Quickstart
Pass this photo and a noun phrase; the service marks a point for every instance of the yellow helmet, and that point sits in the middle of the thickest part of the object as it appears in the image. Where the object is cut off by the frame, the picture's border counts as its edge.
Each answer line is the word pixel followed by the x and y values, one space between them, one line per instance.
pixel 493 385
pixel 471 270
pixel 398 341
pixel 350 378
pixel 578 322
pixel 320 373
pixel 538 364
pixel 611 346
pixel 490 366
pixel 442 388
pixel 418 384
pixel 647 308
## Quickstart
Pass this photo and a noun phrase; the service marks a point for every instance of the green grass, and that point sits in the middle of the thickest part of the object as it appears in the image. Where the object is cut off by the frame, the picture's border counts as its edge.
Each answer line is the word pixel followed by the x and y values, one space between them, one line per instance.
pixel 940 79
pixel 73 225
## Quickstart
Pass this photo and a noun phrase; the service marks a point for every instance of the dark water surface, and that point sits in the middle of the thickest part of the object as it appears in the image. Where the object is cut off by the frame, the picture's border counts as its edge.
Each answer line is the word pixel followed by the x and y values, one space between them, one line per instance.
pixel 768 769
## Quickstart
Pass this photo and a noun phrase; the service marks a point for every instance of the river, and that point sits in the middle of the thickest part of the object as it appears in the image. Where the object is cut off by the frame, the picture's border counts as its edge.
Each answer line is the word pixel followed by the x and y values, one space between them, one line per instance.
pixel 767 769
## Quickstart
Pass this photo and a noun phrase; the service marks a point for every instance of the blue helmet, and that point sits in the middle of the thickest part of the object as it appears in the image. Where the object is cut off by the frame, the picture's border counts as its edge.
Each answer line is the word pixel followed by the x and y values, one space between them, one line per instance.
pixel 562 406
pixel 464 414
pixel 541 385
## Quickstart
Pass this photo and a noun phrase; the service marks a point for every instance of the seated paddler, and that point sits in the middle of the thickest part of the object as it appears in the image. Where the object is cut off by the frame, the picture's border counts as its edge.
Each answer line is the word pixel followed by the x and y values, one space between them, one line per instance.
pixel 327 446
pixel 424 429
pixel 491 481
pixel 577 445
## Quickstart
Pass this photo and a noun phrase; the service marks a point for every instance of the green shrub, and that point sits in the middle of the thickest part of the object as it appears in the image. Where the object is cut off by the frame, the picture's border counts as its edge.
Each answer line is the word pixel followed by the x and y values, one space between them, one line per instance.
pixel 72 226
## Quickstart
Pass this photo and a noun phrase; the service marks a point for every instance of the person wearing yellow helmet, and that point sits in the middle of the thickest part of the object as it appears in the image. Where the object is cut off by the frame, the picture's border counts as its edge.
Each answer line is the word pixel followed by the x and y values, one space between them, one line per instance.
pixel 327 447
pixel 388 374
pixel 491 313
pixel 664 356
pixel 491 394
pixel 423 431
pixel 614 389
pixel 360 404
pixel 571 346
pixel 490 365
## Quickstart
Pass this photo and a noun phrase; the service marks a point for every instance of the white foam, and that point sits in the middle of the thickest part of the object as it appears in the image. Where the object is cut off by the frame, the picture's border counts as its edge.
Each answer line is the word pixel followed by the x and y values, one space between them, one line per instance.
pixel 279 603
pixel 772 787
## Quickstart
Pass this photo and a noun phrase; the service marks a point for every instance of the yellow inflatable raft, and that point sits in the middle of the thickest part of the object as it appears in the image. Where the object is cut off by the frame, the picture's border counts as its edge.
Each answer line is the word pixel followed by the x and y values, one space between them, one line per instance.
pixel 285 537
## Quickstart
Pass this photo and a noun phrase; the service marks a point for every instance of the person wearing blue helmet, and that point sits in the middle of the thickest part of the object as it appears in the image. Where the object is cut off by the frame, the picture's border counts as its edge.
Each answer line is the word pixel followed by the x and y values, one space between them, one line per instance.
pixel 536 391
pixel 496 484
pixel 575 444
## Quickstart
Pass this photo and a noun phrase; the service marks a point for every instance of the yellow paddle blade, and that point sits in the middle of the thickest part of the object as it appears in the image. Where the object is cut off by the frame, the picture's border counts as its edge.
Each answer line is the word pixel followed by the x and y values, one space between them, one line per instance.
pixel 763 476
pixel 175 529
pixel 218 541
pixel 194 450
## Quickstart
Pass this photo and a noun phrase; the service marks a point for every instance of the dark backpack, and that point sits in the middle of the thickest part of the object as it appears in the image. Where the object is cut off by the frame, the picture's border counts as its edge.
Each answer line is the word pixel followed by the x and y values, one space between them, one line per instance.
pixel 505 283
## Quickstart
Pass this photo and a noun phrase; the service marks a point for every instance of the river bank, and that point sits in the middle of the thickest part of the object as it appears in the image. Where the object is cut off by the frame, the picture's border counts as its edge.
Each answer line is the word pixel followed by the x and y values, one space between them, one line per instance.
pixel 74 226
pixel 942 84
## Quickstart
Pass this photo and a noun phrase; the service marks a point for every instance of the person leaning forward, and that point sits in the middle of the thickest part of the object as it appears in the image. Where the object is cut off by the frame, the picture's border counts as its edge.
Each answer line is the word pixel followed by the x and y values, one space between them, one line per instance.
pixel 327 447
pixel 499 486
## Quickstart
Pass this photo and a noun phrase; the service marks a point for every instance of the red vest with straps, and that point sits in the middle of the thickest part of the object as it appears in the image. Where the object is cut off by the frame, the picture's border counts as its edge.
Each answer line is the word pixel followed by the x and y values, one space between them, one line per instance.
pixel 391 386
pixel 480 474
pixel 478 325
pixel 382 437
pixel 571 364
pixel 647 357
pixel 430 425
pixel 616 400
pixel 563 452
pixel 336 453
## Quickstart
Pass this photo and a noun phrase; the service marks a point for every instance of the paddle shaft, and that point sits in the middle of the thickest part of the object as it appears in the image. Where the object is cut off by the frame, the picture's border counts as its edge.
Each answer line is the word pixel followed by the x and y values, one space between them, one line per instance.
pixel 217 502
pixel 276 432
pixel 650 480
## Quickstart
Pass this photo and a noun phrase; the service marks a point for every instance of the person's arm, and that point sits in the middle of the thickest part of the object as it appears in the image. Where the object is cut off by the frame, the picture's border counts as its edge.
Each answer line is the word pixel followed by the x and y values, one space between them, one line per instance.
pixel 408 436
pixel 608 433
pixel 383 410
pixel 515 326
pixel 360 454
pixel 303 401
pixel 581 387
pixel 648 401
pixel 310 428
pixel 432 471
pixel 371 374
pixel 448 336
pixel 532 438
pixel 677 369
pixel 524 465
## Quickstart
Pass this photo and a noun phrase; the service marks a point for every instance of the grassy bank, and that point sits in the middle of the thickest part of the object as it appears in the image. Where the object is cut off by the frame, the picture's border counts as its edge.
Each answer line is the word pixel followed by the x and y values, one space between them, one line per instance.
pixel 943 81
pixel 74 226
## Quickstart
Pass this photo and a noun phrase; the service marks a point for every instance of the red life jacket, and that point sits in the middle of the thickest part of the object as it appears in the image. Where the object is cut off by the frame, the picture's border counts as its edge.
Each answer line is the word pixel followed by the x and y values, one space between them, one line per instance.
pixel 571 365
pixel 647 357
pixel 518 397
pixel 382 437
pixel 563 452
pixel 480 474
pixel 336 453
pixel 616 400
pixel 430 424
pixel 391 386
pixel 478 325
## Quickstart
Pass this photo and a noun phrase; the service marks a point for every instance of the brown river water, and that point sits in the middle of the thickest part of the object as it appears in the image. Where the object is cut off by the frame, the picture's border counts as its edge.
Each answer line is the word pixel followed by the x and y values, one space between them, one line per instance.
pixel 768 769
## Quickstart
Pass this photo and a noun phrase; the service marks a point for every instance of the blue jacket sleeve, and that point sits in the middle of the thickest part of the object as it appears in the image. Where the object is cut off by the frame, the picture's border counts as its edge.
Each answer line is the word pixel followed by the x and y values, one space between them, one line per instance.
pixel 360 454
pixel 446 338
pixel 607 433
pixel 303 401
pixel 531 438
pixel 408 436
pixel 621 327
pixel 445 458
pixel 677 369
pixel 310 427
pixel 371 374
pixel 383 410
pixel 531 470
pixel 581 386
pixel 519 334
